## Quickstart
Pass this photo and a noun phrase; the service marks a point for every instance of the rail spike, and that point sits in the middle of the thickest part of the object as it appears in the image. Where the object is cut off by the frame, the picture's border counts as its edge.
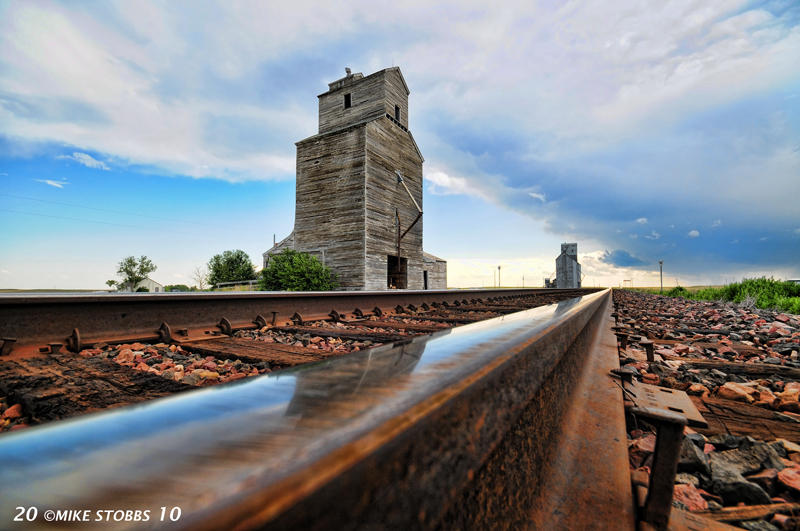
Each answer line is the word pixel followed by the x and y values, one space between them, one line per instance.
pixel 260 321
pixel 336 316
pixel 8 343
pixel 377 311
pixel 358 313
pixel 74 341
pixel 225 326
pixel 164 332
pixel 297 319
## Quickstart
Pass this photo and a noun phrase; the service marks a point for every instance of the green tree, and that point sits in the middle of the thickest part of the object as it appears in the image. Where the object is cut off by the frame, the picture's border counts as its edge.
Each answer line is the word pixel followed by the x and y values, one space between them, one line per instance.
pixel 177 287
pixel 133 271
pixel 295 271
pixel 230 266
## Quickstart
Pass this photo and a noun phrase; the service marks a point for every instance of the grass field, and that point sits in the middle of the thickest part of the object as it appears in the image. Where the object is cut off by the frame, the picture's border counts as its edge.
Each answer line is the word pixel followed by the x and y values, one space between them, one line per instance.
pixel 763 292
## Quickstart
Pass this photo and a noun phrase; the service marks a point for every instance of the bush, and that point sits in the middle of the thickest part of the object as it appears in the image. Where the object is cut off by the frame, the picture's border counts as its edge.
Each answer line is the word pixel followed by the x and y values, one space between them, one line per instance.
pixel 177 287
pixel 678 291
pixel 230 266
pixel 295 271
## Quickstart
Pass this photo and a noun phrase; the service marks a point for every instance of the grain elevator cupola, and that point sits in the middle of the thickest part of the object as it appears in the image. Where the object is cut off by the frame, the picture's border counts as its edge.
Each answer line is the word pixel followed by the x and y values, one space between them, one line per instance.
pixel 358 205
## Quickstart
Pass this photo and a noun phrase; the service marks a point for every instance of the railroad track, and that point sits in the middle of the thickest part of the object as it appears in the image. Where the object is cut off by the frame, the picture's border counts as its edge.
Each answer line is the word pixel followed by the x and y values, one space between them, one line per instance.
pixel 64 356
pixel 479 408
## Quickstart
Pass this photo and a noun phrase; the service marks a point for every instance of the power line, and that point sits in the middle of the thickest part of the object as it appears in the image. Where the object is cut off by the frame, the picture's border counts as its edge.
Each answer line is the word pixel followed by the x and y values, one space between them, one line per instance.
pixel 101 209
pixel 139 227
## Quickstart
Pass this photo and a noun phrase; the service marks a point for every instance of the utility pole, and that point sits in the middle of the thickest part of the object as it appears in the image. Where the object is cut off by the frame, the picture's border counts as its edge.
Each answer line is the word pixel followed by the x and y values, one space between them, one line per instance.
pixel 498 277
pixel 661 274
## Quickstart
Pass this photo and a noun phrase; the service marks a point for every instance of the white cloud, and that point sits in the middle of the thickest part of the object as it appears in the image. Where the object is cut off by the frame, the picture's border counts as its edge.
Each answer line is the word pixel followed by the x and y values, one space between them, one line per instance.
pixel 441 183
pixel 85 159
pixel 50 182
pixel 716 223
pixel 694 233
pixel 535 195
pixel 155 89
pixel 641 221
pixel 653 235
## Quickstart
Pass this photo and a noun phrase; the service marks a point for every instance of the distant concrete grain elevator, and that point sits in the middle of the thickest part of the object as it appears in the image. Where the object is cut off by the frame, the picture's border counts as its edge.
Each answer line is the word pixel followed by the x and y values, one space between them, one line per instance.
pixel 358 205
pixel 568 270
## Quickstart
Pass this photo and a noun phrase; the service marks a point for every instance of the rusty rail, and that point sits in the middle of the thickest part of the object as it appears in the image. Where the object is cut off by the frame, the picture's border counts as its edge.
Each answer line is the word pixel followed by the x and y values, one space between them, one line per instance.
pixel 451 430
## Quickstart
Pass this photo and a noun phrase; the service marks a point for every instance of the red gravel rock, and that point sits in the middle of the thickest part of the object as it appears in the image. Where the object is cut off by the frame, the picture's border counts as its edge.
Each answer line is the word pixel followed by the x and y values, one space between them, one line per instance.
pixel 698 390
pixel 790 477
pixel 13 412
pixel 688 495
pixel 650 378
pixel 640 449
pixel 125 355
pixel 737 391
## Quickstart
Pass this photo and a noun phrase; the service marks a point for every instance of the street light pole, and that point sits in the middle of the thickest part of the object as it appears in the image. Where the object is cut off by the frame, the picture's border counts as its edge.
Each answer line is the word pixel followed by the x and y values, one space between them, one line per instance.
pixel 498 277
pixel 661 274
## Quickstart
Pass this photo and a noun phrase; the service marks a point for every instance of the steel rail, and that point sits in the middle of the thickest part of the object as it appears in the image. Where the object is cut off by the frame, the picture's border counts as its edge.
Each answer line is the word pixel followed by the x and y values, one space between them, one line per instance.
pixel 433 432
pixel 36 321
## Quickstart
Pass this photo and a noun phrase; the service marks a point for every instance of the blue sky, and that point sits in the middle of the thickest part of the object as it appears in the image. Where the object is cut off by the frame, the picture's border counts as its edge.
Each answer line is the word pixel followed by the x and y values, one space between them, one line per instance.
pixel 643 131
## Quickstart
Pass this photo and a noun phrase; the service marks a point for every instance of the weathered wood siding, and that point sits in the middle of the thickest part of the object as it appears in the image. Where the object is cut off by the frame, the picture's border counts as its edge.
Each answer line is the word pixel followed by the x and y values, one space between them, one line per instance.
pixel 329 215
pixel 396 94
pixel 437 271
pixel 370 97
pixel 390 148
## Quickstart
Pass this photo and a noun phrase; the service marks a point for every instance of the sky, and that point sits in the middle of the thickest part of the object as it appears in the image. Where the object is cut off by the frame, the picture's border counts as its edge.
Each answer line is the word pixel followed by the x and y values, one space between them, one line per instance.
pixel 643 131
